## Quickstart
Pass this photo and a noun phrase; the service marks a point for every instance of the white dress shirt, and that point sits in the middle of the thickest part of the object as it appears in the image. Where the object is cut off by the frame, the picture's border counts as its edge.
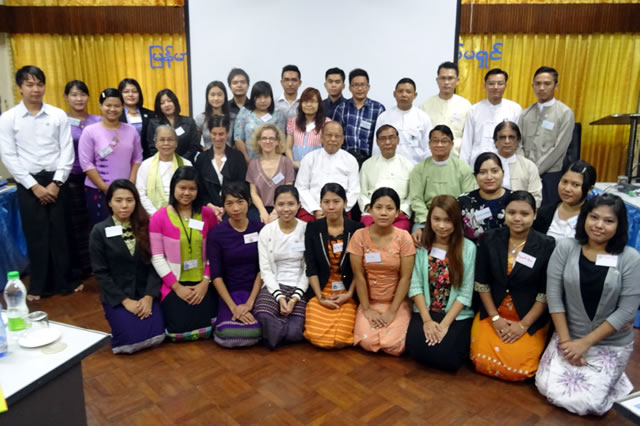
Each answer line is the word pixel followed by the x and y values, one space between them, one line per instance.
pixel 287 109
pixel 318 168
pixel 166 173
pixel 451 112
pixel 32 143
pixel 378 172
pixel 481 122
pixel 413 128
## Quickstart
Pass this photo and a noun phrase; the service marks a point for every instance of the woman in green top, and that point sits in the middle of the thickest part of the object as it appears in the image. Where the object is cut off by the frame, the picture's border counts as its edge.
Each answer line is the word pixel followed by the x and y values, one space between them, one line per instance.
pixel 442 289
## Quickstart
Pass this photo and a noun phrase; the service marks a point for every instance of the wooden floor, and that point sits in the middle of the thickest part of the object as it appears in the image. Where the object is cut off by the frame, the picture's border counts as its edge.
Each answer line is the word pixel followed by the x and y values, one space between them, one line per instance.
pixel 201 383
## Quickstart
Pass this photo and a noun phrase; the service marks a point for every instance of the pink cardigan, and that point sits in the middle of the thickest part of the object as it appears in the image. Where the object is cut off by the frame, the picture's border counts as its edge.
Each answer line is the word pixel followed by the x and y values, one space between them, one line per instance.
pixel 165 246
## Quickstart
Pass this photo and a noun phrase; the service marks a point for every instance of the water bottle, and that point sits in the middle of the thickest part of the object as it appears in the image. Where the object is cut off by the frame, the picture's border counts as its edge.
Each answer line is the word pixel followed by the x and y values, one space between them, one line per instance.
pixel 4 346
pixel 15 295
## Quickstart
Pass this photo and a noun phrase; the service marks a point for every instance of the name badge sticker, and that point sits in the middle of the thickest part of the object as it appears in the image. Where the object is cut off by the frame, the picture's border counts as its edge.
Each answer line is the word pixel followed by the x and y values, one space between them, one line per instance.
pixel 483 214
pixel 113 231
pixel 135 120
pixel 266 117
pixel 438 253
pixel 278 178
pixel 337 247
pixel 179 131
pixel 190 264
pixel 297 247
pixel 610 260
pixel 337 286
pixel 311 126
pixel 526 259
pixel 251 238
pixel 549 125
pixel 366 124
pixel 196 224
pixel 573 222
pixel 73 121
pixel 372 258
pixel 105 152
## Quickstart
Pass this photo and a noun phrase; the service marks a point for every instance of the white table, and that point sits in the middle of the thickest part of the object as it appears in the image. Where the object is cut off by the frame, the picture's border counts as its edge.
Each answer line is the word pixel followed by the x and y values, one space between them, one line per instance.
pixel 43 388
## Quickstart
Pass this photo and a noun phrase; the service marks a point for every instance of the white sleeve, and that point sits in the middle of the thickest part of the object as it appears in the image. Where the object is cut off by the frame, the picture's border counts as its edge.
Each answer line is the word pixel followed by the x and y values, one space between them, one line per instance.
pixel 303 184
pixel 267 268
pixel 467 138
pixel 353 182
pixel 303 281
pixel 67 154
pixel 9 152
pixel 141 186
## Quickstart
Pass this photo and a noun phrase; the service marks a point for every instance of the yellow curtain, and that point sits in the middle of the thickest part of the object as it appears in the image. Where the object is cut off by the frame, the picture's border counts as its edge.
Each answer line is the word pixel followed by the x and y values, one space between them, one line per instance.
pixel 101 61
pixel 599 74
pixel 546 1
pixel 94 2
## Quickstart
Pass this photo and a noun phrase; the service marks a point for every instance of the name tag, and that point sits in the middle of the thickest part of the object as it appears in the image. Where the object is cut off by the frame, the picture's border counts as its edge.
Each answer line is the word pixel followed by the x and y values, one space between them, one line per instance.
pixel 456 117
pixel 607 260
pixel 297 247
pixel 113 231
pixel 366 124
pixel 483 214
pixel 73 121
pixel 135 120
pixel 266 117
pixel 311 126
pixel 337 247
pixel 278 178
pixel 548 124
pixel 438 253
pixel 196 224
pixel 526 259
pixel 179 131
pixel 337 286
pixel 372 258
pixel 251 238
pixel 190 264
pixel 105 152
pixel 573 221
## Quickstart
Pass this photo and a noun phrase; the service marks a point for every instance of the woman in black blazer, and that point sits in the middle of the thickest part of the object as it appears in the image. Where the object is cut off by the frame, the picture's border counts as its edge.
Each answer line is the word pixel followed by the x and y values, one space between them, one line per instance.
pixel 134 113
pixel 331 314
pixel 167 109
pixel 121 261
pixel 509 333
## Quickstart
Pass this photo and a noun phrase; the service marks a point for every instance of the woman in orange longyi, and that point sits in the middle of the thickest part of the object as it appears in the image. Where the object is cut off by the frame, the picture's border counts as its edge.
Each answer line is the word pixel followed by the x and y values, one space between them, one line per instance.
pixel 509 333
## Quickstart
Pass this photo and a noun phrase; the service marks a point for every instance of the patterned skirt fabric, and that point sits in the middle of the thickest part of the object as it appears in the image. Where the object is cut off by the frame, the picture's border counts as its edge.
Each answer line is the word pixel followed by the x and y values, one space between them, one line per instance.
pixel 278 328
pixel 131 334
pixel 96 205
pixel 507 361
pixel 185 322
pixel 330 328
pixel 234 334
pixel 391 339
pixel 590 389
pixel 78 227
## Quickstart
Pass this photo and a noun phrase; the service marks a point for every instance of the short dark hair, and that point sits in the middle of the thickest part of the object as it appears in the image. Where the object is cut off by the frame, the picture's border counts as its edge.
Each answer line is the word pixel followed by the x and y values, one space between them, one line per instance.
pixel 549 70
pixel 484 157
pixel 334 70
pixel 218 121
pixel 110 93
pixel 237 189
pixel 132 81
pixel 513 126
pixel 520 196
pixel 442 128
pixel 185 173
pixel 616 244
pixel 496 71
pixel 334 188
pixel 261 88
pixel 385 127
pixel 78 85
pixel 236 72
pixel 358 72
pixel 588 172
pixel 448 66
pixel 406 80
pixel 284 189
pixel 29 70
pixel 172 96
pixel 385 192
pixel 293 68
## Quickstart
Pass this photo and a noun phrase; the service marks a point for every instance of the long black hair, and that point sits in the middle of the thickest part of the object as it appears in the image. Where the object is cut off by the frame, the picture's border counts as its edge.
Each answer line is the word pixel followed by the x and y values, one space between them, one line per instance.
pixel 185 173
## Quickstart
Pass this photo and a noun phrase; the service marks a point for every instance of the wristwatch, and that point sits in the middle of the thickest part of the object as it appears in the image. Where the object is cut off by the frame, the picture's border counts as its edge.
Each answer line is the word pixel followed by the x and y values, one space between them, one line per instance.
pixel 58 182
pixel 495 318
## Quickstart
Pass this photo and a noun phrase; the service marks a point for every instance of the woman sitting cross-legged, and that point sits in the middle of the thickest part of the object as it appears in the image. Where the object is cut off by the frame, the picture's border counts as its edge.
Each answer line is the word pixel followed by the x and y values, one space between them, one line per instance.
pixel 129 286
pixel 442 289
pixel 280 305
pixel 178 235
pixel 382 260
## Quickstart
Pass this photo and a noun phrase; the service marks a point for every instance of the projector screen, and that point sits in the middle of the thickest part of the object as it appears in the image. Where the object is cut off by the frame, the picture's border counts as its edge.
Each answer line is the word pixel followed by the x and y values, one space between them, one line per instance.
pixel 388 39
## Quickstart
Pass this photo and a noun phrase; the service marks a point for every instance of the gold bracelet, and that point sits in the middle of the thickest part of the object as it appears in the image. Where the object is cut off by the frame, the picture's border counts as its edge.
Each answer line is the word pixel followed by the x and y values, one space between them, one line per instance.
pixel 521 326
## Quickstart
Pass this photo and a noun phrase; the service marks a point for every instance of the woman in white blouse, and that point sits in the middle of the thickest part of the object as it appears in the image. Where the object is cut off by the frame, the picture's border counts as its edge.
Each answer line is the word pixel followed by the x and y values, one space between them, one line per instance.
pixel 154 174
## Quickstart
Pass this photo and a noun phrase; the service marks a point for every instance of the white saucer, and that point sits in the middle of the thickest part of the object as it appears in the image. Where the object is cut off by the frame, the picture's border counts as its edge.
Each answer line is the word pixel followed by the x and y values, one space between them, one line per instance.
pixel 35 339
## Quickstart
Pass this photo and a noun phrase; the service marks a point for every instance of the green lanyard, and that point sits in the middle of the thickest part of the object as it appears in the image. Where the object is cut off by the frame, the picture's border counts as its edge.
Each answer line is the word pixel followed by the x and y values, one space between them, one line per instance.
pixel 185 232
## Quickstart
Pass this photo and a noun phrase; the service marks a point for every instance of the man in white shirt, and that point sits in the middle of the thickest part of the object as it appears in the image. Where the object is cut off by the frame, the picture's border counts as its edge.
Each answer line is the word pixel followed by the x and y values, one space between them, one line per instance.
pixel 329 164
pixel 413 124
pixel 388 169
pixel 484 116
pixel 288 102
pixel 547 129
pixel 446 107
pixel 37 149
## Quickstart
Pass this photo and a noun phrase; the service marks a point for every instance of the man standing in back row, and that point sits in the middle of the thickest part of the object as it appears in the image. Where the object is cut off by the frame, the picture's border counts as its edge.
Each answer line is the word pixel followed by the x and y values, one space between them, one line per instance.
pixel 288 102
pixel 547 128
pixel 334 83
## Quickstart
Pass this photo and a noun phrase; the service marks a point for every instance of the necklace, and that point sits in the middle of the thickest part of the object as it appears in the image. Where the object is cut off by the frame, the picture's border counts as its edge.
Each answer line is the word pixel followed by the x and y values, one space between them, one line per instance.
pixel 513 251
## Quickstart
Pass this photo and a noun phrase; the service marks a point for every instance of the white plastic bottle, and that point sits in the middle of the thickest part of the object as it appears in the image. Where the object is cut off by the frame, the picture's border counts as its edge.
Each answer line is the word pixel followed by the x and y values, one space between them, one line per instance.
pixel 15 296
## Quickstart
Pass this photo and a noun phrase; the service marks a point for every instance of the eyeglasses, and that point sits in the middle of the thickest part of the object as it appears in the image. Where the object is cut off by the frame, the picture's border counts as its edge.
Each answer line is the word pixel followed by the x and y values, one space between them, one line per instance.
pixel 268 138
pixel 392 138
pixel 444 141
pixel 507 137
pixel 360 85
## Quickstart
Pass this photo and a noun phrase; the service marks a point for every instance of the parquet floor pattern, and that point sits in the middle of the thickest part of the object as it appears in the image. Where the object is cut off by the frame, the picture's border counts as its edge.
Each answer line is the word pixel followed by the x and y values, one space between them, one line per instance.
pixel 201 383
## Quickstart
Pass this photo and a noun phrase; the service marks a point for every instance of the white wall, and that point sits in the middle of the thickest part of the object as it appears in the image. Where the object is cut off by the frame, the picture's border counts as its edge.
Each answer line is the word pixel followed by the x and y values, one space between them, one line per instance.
pixel 389 39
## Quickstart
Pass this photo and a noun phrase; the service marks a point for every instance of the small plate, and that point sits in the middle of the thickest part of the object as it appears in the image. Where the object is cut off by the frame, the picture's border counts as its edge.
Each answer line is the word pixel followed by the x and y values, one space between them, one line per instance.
pixel 35 339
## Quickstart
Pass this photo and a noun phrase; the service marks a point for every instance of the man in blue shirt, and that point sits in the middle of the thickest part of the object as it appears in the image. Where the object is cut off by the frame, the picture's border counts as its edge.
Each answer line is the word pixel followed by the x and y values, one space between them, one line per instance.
pixel 358 117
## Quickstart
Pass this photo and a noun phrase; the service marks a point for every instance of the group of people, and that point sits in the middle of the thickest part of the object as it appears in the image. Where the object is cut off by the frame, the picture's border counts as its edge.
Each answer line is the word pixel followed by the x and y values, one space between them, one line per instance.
pixel 223 226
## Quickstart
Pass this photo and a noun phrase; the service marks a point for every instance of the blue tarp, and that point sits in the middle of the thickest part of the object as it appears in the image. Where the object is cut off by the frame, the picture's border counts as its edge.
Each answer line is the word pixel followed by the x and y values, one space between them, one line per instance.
pixel 13 246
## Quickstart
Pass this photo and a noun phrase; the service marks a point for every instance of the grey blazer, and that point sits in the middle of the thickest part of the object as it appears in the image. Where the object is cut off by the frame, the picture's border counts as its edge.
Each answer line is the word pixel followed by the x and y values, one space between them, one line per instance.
pixel 620 296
